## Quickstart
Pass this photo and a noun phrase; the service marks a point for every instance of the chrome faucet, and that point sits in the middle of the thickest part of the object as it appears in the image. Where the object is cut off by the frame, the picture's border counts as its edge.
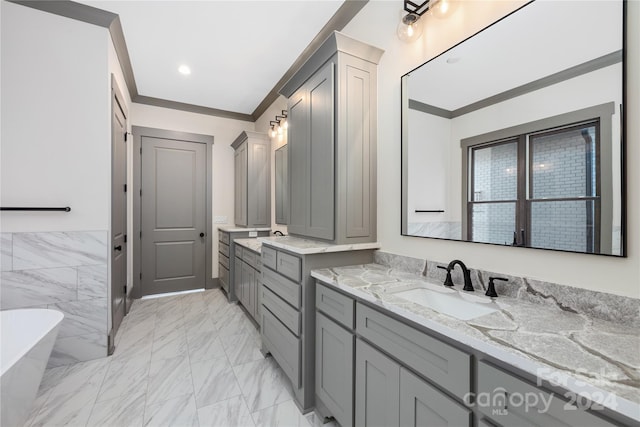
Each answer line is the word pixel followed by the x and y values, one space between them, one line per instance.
pixel 468 286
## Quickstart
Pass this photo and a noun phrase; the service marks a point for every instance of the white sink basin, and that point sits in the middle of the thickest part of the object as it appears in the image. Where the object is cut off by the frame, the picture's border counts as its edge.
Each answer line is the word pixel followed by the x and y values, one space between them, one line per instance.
pixel 449 302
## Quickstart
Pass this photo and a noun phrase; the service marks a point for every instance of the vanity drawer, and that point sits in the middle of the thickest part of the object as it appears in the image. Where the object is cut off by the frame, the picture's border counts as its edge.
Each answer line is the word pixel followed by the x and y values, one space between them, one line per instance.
pixel 439 362
pixel 269 257
pixel 238 250
pixel 335 305
pixel 289 265
pixel 283 311
pixel 492 380
pixel 223 248
pixel 283 345
pixel 223 237
pixel 223 275
pixel 224 261
pixel 284 288
pixel 250 257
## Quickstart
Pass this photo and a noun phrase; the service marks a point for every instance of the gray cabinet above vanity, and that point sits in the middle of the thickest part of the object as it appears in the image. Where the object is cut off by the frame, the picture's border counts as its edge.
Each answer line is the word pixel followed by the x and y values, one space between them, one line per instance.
pixel 252 186
pixel 332 142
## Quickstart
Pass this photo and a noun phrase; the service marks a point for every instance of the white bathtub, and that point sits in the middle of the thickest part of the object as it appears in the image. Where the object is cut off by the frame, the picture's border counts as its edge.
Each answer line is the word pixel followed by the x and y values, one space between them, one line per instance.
pixel 26 341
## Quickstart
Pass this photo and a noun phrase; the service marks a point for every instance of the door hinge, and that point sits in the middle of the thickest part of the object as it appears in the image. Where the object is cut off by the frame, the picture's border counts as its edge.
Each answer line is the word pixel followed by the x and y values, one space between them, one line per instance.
pixel 141 234
pixel 125 137
pixel 140 150
pixel 125 188
pixel 141 192
pixel 125 238
pixel 124 289
pixel 140 276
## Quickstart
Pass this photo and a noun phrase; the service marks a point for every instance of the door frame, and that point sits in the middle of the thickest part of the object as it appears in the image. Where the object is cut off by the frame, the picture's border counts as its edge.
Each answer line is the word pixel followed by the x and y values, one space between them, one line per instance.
pixel 117 101
pixel 138 133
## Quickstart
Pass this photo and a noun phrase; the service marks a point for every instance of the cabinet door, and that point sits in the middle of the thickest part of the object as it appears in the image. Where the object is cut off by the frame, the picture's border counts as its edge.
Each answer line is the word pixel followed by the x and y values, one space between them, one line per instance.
pixel 259 189
pixel 377 388
pixel 248 282
pixel 423 405
pixel 320 156
pixel 298 142
pixel 334 369
pixel 237 278
pixel 281 175
pixel 240 185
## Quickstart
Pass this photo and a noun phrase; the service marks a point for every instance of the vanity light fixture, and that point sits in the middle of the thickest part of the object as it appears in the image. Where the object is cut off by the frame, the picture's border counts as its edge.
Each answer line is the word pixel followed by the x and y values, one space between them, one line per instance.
pixel 410 27
pixel 279 125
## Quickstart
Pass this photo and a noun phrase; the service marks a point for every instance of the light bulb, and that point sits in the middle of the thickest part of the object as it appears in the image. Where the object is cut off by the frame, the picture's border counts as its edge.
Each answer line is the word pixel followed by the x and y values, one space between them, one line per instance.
pixel 409 28
pixel 443 8
pixel 273 132
pixel 279 130
pixel 285 125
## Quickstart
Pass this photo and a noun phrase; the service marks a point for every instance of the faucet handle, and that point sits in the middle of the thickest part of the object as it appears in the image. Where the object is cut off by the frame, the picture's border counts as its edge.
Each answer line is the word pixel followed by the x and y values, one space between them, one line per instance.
pixel 447 282
pixel 491 289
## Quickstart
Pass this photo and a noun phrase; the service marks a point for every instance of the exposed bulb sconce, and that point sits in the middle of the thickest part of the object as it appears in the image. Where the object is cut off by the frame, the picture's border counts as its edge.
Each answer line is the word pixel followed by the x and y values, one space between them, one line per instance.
pixel 410 26
pixel 279 125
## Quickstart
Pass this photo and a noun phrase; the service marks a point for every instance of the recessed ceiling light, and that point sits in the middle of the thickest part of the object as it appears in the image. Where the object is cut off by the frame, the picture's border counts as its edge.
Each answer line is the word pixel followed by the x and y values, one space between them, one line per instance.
pixel 452 60
pixel 183 69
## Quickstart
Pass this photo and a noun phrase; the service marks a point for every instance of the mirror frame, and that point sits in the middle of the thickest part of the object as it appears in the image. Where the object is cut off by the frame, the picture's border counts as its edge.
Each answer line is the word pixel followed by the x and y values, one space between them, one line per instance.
pixel 404 105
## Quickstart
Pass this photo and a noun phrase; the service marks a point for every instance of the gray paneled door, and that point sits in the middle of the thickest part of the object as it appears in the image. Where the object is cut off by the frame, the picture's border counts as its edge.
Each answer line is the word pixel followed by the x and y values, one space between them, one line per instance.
pixel 118 209
pixel 173 215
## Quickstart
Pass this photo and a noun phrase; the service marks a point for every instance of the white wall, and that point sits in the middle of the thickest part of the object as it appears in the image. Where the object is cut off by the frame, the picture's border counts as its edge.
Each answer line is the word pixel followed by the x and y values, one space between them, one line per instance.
pixel 224 132
pixel 376 24
pixel 55 133
pixel 262 125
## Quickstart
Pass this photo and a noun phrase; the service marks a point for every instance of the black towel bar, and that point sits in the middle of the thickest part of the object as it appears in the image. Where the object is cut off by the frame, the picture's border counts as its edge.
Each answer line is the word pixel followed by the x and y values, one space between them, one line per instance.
pixel 65 209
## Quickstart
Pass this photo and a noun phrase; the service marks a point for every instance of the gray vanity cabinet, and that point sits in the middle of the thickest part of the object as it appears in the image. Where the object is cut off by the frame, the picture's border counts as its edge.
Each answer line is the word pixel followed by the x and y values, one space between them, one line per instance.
pixel 506 410
pixel 334 369
pixel 377 388
pixel 423 405
pixel 247 264
pixel 229 271
pixel 332 142
pixel 282 182
pixel 252 187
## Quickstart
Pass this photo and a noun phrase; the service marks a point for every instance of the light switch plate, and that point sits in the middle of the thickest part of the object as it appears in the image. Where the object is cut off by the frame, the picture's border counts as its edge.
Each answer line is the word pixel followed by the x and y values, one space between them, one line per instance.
pixel 220 219
pixel 253 234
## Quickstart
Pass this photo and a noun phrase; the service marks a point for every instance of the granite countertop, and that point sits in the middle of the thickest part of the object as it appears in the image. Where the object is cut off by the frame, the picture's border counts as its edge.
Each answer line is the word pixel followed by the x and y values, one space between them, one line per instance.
pixel 306 246
pixel 597 358
pixel 252 244
pixel 232 229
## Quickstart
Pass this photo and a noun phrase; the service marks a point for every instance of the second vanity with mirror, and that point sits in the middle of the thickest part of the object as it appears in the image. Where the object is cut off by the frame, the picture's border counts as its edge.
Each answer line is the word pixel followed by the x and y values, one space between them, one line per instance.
pixel 513 137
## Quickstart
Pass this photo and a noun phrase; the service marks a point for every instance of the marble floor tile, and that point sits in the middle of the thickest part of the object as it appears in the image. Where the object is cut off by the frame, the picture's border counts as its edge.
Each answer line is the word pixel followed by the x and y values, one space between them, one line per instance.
pixel 205 346
pixel 285 414
pixel 213 381
pixel 198 324
pixel 133 349
pixel 71 409
pixel 123 377
pixel 83 378
pixel 169 378
pixel 231 412
pixel 51 378
pixel 225 312
pixel 124 411
pixel 38 404
pixel 169 343
pixel 237 323
pixel 263 384
pixel 241 348
pixel 180 411
pixel 73 350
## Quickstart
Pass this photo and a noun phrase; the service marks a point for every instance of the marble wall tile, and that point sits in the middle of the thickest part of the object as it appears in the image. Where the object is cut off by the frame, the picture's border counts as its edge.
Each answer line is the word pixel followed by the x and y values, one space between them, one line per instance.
pixel 59 249
pixel 37 287
pixel 82 317
pixel 70 350
pixel 92 281
pixel 6 252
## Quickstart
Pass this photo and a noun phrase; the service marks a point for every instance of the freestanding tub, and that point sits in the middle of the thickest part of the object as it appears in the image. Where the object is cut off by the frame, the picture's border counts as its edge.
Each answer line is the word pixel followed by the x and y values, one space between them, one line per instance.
pixel 26 341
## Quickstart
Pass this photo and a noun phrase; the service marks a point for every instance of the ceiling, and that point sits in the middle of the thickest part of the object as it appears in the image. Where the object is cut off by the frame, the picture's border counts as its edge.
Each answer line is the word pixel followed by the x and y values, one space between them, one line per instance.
pixel 542 38
pixel 237 50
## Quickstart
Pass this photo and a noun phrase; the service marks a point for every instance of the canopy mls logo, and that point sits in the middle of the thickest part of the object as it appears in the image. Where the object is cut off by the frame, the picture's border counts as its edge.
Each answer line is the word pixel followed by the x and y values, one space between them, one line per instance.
pixel 500 401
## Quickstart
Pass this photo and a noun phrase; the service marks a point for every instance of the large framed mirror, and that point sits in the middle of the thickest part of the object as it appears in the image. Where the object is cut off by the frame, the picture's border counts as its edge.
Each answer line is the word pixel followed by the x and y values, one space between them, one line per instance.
pixel 515 136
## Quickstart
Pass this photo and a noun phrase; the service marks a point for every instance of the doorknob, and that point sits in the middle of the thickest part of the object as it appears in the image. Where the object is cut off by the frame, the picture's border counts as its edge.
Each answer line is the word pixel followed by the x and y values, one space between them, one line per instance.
pixel 117 248
pixel 201 234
